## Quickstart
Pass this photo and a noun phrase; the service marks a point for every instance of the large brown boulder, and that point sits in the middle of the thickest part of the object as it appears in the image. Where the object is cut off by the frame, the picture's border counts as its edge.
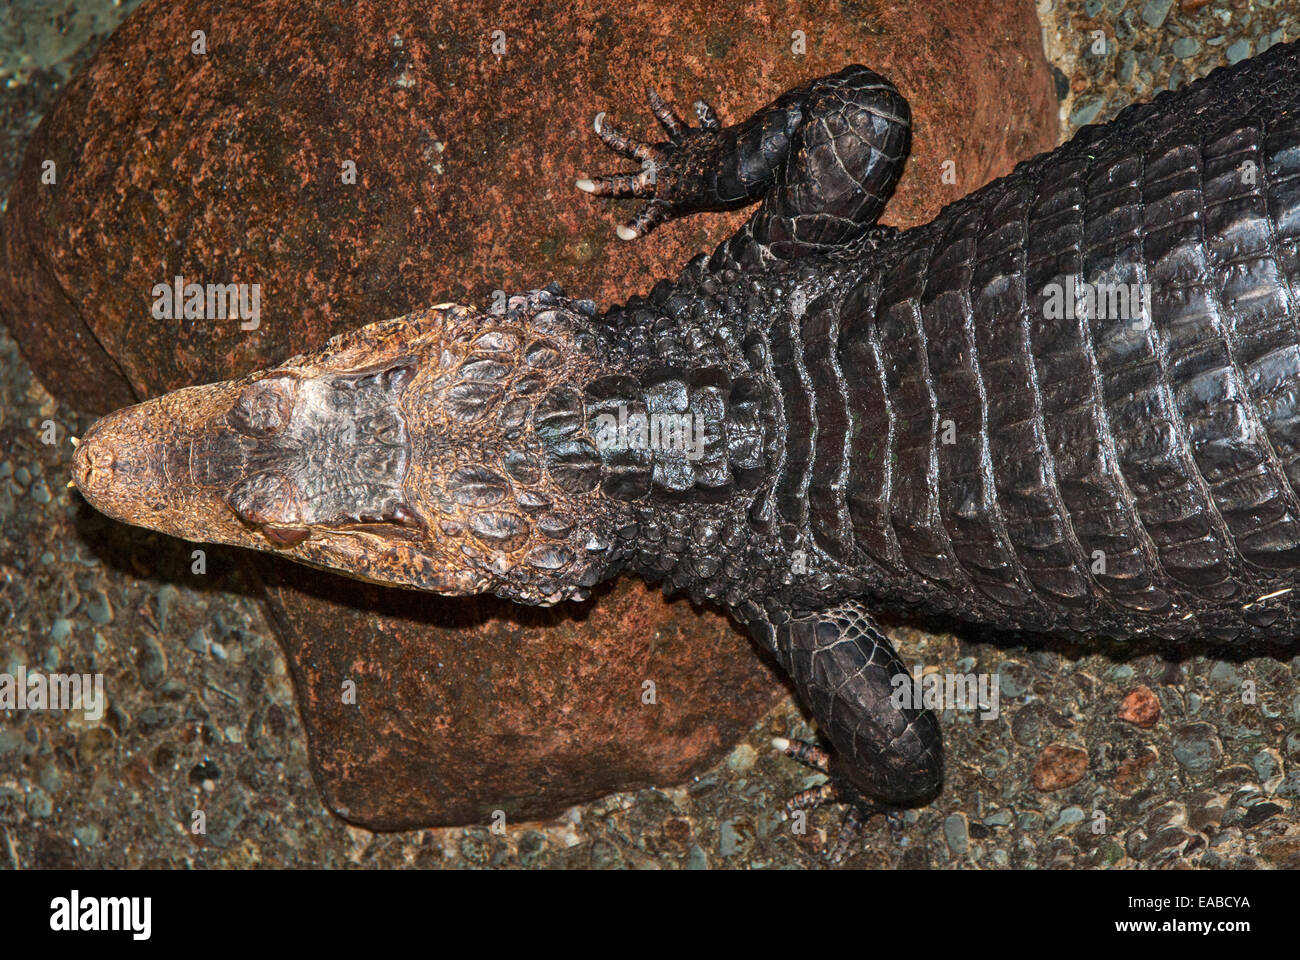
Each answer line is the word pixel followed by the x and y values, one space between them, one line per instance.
pixel 227 166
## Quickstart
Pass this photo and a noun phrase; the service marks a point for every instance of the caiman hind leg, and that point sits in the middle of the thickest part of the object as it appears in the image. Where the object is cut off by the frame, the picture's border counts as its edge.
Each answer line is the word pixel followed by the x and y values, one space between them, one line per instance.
pixel 886 755
pixel 823 157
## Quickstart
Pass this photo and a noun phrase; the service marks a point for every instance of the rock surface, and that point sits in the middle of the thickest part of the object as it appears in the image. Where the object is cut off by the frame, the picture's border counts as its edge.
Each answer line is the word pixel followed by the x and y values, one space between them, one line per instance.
pixel 463 708
pixel 227 167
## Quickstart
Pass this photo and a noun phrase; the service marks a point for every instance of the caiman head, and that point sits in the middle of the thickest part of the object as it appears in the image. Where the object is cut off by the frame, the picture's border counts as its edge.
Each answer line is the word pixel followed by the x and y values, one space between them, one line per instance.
pixel 444 451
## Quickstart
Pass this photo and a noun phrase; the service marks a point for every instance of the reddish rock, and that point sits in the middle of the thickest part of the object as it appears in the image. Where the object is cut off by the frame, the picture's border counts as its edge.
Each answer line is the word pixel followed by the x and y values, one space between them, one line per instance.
pixel 1140 708
pixel 465 706
pixel 1059 766
pixel 226 167
pixel 1133 773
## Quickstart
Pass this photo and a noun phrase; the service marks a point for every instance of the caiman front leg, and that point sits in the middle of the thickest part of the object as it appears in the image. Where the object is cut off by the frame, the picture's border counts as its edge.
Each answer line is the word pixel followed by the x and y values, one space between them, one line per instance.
pixel 887 755
pixel 824 159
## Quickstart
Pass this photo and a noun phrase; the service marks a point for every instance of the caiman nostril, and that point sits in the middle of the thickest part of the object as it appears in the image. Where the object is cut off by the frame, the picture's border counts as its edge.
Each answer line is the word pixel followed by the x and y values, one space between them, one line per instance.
pixel 93 465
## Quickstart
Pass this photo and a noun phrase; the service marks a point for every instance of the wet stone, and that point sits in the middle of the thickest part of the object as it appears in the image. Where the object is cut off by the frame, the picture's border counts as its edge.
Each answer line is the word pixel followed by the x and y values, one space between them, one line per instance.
pixel 60 630
pixel 531 847
pixel 11 805
pixel 1238 51
pixel 1197 747
pixel 1155 12
pixel 956 833
pixel 1059 765
pixel 98 609
pixel 151 661
pixel 11 739
pixel 605 856
pixel 1140 708
pixel 39 804
pixel 86 834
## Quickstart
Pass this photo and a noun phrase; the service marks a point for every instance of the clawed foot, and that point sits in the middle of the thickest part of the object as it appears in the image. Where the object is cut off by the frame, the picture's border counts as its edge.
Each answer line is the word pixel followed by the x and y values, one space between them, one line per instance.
pixel 855 816
pixel 672 178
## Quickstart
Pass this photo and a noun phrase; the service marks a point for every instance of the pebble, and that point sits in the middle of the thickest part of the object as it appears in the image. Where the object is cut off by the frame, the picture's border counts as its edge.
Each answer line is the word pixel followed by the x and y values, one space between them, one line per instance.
pixel 1085 111
pixel 1267 764
pixel 50 778
pixel 167 596
pixel 1059 766
pixel 1068 818
pixel 728 839
pixel 604 855
pixel 60 629
pixel 1125 29
pixel 999 818
pixel 1030 820
pixel 39 804
pixel 1238 52
pixel 1124 67
pixel 742 758
pixel 1185 47
pixel 87 834
pixel 11 802
pixel 1225 675
pixel 1197 747
pixel 1140 708
pixel 98 609
pixel 1154 13
pixel 697 859
pixel 151 661
pixel 956 831
pixel 11 739
pixel 531 847
pixel 1013 678
pixel 197 641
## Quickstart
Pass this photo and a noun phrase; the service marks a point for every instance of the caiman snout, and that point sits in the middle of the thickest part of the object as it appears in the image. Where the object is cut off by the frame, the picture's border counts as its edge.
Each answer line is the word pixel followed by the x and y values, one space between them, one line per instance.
pixel 93 463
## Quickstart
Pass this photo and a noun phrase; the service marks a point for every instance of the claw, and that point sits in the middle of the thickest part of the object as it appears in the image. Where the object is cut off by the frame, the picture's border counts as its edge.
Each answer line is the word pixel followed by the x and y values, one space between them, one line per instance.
pixel 651 215
pixel 855 816
pixel 622 145
pixel 850 833
pixel 620 185
pixel 707 117
pixel 809 754
pixel 665 114
pixel 812 798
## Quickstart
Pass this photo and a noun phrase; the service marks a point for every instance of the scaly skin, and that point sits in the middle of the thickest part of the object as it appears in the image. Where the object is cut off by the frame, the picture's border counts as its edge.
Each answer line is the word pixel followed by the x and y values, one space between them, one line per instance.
pixel 877 420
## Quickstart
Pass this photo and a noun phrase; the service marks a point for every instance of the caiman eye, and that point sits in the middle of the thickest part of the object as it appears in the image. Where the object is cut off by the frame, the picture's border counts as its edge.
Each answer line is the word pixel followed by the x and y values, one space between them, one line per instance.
pixel 264 407
pixel 286 536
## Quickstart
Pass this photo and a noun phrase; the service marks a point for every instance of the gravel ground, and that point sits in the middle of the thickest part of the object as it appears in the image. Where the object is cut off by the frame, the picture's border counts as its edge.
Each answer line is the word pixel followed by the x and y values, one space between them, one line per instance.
pixel 1095 760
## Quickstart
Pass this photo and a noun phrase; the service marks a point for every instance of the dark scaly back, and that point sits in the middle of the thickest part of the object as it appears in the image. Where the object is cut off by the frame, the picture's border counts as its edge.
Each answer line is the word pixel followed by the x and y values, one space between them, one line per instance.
pixel 1102 476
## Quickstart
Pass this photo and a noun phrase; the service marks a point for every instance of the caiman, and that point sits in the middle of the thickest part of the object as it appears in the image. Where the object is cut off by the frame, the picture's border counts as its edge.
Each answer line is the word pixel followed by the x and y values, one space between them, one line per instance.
pixel 827 417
